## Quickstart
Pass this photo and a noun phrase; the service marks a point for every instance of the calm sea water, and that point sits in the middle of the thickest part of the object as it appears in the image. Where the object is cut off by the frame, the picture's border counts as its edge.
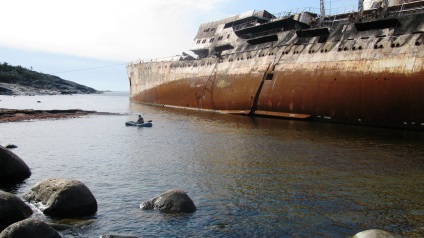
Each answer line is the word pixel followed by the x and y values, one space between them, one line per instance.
pixel 249 177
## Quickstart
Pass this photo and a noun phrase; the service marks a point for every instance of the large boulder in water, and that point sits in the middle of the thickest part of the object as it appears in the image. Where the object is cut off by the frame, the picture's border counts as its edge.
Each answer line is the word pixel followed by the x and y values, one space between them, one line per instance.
pixel 12 209
pixel 172 201
pixel 29 228
pixel 375 233
pixel 13 169
pixel 63 198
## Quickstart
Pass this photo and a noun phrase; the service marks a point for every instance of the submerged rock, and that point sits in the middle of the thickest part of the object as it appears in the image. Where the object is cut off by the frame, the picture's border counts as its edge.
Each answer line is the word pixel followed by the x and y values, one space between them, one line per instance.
pixel 29 228
pixel 375 233
pixel 12 209
pixel 67 224
pixel 117 236
pixel 13 169
pixel 10 146
pixel 175 200
pixel 63 198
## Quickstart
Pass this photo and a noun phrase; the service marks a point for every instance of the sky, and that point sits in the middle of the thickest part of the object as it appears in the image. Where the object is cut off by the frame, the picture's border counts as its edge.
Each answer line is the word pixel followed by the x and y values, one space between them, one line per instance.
pixel 91 41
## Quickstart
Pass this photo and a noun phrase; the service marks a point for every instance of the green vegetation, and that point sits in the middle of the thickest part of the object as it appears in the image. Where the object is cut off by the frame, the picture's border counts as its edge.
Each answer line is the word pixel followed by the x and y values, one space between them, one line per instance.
pixel 20 80
pixel 18 74
pixel 12 74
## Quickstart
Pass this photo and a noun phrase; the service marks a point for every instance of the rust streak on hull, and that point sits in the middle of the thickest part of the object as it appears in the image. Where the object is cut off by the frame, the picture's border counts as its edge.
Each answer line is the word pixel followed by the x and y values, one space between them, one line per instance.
pixel 358 76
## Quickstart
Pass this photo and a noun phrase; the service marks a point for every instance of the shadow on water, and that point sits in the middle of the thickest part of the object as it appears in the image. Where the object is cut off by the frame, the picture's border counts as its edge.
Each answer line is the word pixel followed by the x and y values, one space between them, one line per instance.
pixel 314 129
pixel 298 178
pixel 13 188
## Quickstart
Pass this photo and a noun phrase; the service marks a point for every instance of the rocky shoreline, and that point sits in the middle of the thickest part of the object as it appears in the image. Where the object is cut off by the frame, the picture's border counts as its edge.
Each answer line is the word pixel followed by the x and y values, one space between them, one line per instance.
pixel 60 198
pixel 18 115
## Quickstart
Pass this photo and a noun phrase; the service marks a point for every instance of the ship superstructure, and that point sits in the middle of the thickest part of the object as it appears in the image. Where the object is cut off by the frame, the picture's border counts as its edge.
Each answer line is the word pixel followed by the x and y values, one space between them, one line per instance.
pixel 362 67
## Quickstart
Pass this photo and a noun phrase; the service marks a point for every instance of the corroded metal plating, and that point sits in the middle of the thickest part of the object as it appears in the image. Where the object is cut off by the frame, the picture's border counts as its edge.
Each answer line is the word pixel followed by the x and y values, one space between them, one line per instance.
pixel 360 72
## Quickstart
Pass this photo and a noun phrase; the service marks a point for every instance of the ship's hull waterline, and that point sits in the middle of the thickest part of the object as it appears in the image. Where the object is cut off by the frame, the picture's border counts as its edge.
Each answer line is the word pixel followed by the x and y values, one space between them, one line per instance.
pixel 367 80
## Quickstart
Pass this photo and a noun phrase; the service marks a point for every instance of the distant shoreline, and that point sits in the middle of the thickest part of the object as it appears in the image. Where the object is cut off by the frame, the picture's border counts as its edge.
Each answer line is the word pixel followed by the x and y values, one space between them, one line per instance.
pixel 19 115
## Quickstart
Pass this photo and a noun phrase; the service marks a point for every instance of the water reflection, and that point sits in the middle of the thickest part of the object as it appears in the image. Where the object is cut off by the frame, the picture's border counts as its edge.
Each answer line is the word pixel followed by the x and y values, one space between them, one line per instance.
pixel 284 175
pixel 247 176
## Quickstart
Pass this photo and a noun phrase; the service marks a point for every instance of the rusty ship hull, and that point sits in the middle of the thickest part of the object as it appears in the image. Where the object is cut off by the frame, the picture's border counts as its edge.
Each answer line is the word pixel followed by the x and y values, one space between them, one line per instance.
pixel 368 73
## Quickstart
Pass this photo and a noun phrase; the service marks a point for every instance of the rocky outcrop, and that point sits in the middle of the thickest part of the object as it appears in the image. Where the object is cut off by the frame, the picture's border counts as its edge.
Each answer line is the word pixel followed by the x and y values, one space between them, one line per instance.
pixel 12 209
pixel 63 198
pixel 17 80
pixel 172 201
pixel 29 228
pixel 10 146
pixel 12 168
pixel 375 233
pixel 15 115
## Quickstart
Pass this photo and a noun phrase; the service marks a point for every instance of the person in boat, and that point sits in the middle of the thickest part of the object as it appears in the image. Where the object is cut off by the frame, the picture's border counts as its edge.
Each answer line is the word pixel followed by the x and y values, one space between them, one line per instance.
pixel 140 120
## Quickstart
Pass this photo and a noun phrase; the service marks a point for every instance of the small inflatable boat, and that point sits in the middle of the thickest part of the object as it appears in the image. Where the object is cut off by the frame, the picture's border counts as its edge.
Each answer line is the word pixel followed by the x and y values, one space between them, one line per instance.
pixel 133 123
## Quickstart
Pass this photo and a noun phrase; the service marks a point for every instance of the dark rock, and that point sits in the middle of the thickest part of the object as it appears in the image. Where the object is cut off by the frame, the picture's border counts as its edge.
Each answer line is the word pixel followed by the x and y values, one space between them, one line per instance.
pixel 375 233
pixel 63 198
pixel 5 91
pixel 13 169
pixel 10 146
pixel 12 209
pixel 175 200
pixel 29 228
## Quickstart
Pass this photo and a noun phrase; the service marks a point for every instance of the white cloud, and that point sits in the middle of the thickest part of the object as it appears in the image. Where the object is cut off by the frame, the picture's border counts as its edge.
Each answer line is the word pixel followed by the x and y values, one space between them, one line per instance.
pixel 108 29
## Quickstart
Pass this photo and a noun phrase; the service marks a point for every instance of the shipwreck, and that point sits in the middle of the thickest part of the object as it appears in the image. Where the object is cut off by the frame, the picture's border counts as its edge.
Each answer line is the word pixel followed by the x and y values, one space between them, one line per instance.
pixel 362 67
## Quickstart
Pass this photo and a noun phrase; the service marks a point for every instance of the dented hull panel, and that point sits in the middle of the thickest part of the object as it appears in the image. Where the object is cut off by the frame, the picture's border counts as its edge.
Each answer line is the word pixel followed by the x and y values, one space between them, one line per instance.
pixel 381 100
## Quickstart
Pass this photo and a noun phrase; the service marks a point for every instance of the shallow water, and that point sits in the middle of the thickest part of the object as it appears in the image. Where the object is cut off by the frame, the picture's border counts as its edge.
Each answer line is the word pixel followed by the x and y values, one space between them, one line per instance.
pixel 255 177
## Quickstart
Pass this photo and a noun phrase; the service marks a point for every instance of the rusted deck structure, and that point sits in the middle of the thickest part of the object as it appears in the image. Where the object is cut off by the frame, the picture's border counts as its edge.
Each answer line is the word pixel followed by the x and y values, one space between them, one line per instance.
pixel 365 67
